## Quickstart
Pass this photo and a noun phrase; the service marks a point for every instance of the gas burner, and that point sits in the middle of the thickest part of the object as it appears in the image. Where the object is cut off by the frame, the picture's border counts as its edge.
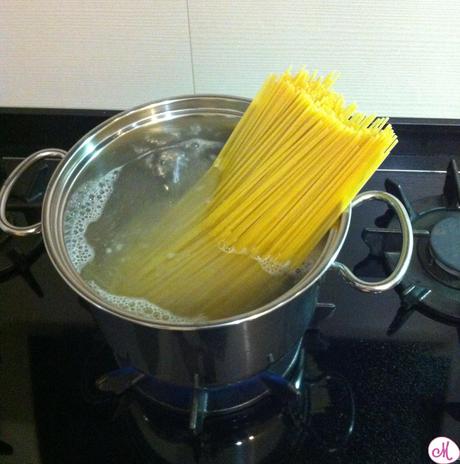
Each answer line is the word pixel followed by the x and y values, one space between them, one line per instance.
pixel 319 422
pixel 24 207
pixel 197 403
pixel 280 379
pixel 287 409
pixel 280 427
pixel 442 256
pixel 432 282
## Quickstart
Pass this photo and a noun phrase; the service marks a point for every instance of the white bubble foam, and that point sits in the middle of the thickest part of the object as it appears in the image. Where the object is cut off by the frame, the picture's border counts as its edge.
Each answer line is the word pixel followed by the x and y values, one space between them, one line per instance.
pixel 273 267
pixel 270 265
pixel 141 307
pixel 267 263
pixel 85 206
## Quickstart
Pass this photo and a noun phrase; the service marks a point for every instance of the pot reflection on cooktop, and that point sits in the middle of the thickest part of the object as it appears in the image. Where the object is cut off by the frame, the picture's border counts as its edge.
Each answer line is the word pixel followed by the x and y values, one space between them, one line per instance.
pixel 344 383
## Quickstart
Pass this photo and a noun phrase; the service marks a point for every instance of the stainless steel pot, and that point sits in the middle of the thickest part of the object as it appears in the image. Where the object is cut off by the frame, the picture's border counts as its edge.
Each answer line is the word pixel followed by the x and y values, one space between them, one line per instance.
pixel 207 353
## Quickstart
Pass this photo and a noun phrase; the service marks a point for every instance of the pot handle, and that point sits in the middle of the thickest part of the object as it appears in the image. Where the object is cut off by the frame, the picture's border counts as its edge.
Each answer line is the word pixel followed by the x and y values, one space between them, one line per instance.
pixel 406 250
pixel 5 191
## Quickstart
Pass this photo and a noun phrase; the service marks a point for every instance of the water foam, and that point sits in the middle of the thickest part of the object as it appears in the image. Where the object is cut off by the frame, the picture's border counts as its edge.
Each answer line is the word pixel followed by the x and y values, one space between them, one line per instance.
pixel 141 307
pixel 267 263
pixel 85 206
pixel 272 266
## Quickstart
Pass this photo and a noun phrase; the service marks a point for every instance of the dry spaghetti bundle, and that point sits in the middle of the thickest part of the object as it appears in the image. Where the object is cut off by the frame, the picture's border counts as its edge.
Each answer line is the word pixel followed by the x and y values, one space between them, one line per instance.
pixel 291 166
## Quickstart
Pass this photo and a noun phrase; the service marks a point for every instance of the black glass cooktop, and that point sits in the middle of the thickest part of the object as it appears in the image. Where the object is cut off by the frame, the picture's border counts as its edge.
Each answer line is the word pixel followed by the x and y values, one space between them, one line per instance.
pixel 367 397
pixel 399 391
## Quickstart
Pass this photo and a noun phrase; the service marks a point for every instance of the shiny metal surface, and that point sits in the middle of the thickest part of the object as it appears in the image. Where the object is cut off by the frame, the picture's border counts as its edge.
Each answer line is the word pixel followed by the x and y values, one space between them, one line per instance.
pixel 8 185
pixel 218 351
pixel 220 355
pixel 89 159
pixel 406 248
pixel 283 369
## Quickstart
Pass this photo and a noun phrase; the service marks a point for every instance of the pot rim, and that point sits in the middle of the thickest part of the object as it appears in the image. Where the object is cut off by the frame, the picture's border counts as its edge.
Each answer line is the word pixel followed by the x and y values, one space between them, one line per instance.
pixel 55 200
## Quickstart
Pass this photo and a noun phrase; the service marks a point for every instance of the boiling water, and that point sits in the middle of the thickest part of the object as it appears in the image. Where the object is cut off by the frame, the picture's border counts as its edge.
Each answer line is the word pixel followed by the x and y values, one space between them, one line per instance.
pixel 107 221
pixel 100 211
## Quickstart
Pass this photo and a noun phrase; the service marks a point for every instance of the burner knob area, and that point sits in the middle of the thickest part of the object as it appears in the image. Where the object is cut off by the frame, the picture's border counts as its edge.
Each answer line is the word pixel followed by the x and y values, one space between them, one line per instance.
pixel 445 245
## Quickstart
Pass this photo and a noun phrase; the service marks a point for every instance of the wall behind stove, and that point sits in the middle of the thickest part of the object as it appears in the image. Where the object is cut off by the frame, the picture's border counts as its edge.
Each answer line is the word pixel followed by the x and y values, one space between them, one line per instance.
pixel 400 58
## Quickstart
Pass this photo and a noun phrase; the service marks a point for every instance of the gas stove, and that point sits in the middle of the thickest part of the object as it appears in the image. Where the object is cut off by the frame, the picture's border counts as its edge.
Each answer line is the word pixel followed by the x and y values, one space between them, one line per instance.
pixel 374 379
pixel 271 416
pixel 17 256
pixel 432 284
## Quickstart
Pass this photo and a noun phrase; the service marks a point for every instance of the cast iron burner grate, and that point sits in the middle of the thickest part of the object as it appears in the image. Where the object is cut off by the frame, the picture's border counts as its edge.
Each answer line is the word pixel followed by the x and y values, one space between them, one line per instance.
pixel 320 418
pixel 280 409
pixel 308 409
pixel 432 282
pixel 198 402
pixel 24 208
